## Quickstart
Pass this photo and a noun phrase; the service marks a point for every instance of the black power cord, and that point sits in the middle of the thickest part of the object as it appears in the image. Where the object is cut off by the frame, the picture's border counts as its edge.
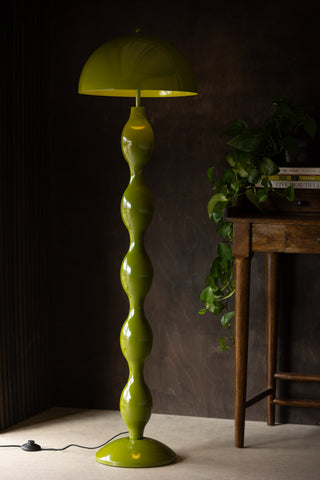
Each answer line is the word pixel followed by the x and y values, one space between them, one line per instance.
pixel 31 446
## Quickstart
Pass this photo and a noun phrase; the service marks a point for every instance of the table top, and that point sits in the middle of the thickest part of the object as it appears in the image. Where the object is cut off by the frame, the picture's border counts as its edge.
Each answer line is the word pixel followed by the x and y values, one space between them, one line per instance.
pixel 288 218
pixel 304 210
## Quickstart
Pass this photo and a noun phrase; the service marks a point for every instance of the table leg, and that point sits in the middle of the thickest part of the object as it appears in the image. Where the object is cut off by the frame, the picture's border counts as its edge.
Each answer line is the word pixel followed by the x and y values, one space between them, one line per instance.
pixel 242 286
pixel 272 284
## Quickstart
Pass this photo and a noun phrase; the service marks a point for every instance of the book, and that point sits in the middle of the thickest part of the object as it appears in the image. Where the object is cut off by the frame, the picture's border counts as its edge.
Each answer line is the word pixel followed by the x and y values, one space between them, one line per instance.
pixel 299 171
pixel 296 184
pixel 302 178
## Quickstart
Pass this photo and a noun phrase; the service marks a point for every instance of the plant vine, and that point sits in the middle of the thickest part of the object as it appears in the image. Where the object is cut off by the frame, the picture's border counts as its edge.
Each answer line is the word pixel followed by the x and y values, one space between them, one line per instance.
pixel 253 157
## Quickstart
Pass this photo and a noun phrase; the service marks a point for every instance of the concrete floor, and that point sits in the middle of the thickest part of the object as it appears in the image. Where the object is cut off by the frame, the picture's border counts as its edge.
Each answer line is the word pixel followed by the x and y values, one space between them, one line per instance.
pixel 204 447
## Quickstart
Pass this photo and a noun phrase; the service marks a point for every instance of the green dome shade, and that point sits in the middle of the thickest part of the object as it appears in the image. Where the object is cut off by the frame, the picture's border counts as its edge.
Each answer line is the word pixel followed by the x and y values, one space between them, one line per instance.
pixel 138 62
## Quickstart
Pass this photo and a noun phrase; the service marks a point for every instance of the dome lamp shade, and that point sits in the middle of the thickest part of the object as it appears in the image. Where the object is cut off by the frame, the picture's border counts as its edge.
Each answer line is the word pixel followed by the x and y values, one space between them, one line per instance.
pixel 138 62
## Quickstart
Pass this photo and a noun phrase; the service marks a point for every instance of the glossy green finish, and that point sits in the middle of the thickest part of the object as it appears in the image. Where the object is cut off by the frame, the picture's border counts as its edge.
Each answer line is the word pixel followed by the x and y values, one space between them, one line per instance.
pixel 136 271
pixel 122 66
pixel 135 453
pixel 136 66
pixel 136 278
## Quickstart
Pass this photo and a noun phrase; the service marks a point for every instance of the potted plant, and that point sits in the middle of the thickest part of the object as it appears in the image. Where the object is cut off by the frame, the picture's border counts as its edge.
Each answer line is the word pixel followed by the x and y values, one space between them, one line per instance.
pixel 254 155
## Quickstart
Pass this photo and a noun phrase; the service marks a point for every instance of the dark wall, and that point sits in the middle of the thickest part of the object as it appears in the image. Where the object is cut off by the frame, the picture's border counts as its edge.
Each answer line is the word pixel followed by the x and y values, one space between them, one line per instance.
pixel 24 319
pixel 243 57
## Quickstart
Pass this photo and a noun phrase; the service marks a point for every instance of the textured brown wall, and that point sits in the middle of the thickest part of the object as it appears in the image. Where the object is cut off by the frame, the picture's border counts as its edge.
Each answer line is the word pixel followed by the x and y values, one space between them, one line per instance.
pixel 244 57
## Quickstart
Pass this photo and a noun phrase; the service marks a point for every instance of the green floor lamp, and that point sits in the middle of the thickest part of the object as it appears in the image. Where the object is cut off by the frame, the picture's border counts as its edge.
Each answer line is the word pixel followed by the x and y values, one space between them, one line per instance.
pixel 136 66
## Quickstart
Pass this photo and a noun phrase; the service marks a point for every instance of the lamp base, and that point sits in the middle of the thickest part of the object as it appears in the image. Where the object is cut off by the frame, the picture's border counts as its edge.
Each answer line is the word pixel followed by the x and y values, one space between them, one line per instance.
pixel 135 453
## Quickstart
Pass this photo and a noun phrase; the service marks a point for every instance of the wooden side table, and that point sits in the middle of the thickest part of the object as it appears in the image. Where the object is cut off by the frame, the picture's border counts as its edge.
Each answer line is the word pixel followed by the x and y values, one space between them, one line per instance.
pixel 271 233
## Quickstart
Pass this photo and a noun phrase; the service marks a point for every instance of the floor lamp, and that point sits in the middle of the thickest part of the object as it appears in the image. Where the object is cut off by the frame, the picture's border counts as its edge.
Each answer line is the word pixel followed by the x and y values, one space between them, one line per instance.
pixel 136 66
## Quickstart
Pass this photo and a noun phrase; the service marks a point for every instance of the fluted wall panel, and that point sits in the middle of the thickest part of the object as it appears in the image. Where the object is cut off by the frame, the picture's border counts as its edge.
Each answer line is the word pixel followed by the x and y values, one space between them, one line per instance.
pixel 23 248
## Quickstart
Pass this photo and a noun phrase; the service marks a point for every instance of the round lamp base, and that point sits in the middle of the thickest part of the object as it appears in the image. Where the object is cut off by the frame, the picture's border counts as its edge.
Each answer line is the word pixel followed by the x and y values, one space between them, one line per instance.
pixel 135 453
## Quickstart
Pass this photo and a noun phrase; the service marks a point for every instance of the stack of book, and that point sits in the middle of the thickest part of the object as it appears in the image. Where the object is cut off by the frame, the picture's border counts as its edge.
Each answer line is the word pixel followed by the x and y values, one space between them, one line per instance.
pixel 299 177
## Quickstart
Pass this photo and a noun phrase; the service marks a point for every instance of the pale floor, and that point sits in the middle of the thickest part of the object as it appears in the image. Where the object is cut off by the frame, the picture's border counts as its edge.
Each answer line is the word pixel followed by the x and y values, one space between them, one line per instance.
pixel 204 447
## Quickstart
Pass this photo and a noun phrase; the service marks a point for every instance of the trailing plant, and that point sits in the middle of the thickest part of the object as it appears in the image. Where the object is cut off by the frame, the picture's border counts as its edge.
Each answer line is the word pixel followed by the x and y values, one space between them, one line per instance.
pixel 253 156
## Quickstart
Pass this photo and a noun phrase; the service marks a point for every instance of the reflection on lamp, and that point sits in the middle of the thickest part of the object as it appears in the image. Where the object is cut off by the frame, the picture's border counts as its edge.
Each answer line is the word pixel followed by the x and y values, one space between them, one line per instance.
pixel 136 66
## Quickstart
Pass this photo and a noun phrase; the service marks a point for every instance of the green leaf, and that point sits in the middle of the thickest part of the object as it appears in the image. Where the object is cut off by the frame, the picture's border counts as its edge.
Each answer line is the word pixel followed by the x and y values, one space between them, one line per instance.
pixel 225 229
pixel 242 172
pixel 236 128
pixel 243 164
pixel 252 197
pixel 254 176
pixel 265 183
pixel 216 307
pixel 310 126
pixel 203 296
pixel 210 296
pixel 228 176
pixel 210 281
pixel 223 345
pixel 262 195
pixel 224 251
pixel 269 167
pixel 225 320
pixel 210 174
pixel 248 142
pixel 245 158
pixel 215 269
pixel 231 160
pixel 203 311
pixel 289 193
pixel 213 282
pixel 218 197
pixel 225 263
pixel 235 187
pixel 283 107
pixel 207 296
pixel 218 211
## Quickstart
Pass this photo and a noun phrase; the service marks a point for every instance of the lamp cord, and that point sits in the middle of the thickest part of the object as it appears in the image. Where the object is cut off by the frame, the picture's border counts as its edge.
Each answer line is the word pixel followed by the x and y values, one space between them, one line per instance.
pixel 67 446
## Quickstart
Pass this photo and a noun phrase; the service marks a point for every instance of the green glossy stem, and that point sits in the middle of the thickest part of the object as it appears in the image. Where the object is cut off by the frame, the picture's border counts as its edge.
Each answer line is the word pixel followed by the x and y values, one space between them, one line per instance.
pixel 136 272
pixel 136 336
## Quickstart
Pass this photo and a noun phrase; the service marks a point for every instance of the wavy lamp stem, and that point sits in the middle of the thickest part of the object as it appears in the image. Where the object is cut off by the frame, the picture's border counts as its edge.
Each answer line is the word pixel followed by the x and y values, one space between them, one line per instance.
pixel 136 278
